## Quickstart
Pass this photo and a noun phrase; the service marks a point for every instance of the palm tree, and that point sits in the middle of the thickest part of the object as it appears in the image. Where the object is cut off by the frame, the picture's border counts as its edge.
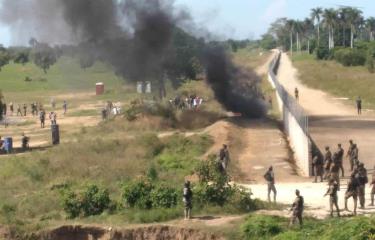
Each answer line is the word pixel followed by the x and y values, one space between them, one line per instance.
pixel 330 21
pixel 290 23
pixel 316 14
pixel 298 28
pixel 308 30
pixel 343 21
pixel 370 26
pixel 354 17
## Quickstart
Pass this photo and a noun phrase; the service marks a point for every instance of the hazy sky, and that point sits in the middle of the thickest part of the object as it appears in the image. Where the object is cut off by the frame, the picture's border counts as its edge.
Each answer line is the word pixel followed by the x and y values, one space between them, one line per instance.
pixel 245 18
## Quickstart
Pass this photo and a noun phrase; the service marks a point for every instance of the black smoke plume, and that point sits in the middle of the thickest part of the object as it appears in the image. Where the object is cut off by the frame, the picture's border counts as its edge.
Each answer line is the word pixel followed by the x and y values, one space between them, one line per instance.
pixel 136 38
pixel 234 87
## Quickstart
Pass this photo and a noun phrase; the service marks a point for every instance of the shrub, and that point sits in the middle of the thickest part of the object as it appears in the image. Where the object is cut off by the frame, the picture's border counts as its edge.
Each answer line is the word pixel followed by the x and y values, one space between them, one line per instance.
pixel 214 188
pixel 262 227
pixel 164 197
pixel 350 57
pixel 370 63
pixel 91 201
pixel 145 195
pixel 95 200
pixel 322 53
pixel 28 79
pixel 71 204
pixel 137 194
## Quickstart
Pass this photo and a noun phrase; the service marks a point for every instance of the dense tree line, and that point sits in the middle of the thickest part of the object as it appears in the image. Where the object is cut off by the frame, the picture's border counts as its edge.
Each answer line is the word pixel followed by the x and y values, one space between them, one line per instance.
pixel 343 34
pixel 328 27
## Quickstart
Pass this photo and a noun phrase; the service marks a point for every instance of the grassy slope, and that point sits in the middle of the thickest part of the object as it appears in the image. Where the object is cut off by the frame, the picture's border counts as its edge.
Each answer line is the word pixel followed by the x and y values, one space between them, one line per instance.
pixel 336 79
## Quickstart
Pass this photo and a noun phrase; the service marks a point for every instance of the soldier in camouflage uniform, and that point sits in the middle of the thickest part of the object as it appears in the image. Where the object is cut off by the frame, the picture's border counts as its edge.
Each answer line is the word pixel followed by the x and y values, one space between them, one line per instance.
pixel 361 175
pixel 327 162
pixel 270 178
pixel 332 192
pixel 352 191
pixel 297 209
pixel 339 159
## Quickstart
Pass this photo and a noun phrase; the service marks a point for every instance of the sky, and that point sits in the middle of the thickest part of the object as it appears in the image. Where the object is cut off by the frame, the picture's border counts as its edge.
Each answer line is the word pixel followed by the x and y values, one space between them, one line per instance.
pixel 244 19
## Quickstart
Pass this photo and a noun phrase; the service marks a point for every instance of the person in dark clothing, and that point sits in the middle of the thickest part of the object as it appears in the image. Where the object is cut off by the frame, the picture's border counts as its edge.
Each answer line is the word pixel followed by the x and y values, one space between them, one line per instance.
pixel 187 199
pixel 339 159
pixel 296 94
pixel 361 175
pixel 42 118
pixel 359 105
pixel 297 209
pixel 24 109
pixel 333 198
pixel 318 167
pixel 327 162
pixel 25 142
pixel 269 176
pixel 352 191
pixel 224 157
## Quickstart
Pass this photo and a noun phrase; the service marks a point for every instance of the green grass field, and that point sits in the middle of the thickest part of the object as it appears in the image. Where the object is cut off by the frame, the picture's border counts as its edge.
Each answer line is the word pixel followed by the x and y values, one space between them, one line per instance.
pixel 65 75
pixel 336 79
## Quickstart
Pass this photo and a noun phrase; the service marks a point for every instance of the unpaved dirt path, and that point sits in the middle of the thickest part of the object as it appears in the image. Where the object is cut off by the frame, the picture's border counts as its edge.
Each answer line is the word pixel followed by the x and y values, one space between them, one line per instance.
pixel 331 122
pixel 315 102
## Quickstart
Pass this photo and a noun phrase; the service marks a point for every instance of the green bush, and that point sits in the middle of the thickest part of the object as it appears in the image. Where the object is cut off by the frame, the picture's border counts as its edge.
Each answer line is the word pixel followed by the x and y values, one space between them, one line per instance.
pixel 262 227
pixel 71 204
pixel 350 57
pixel 145 195
pixel 91 201
pixel 370 63
pixel 137 194
pixel 95 200
pixel 322 53
pixel 214 188
pixel 164 197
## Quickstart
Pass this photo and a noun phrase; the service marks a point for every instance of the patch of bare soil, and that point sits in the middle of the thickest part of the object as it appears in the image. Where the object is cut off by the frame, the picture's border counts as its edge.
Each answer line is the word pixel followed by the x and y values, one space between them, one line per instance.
pixel 141 233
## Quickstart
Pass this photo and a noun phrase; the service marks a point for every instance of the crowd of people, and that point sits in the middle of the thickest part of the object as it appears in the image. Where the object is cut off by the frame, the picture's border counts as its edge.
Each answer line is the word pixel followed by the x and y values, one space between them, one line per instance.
pixel 110 109
pixel 329 169
pixel 36 109
pixel 189 102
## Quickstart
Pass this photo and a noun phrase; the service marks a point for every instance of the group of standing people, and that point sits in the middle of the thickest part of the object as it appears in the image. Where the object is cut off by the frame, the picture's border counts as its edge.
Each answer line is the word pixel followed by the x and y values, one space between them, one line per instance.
pixel 190 102
pixel 36 109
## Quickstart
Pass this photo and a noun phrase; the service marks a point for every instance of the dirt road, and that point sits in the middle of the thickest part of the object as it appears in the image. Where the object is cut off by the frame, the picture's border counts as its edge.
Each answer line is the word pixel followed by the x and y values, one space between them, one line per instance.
pixel 331 122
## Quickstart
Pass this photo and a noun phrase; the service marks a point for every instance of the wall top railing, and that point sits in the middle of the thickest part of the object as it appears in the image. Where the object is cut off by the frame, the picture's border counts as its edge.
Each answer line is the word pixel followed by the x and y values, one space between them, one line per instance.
pixel 289 101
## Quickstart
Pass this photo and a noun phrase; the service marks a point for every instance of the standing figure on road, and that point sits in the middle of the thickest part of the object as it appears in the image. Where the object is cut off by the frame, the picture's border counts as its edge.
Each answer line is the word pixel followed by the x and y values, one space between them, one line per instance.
pixel 352 154
pixel 359 105
pixel 11 108
pixel 42 118
pixel 187 199
pixel 334 172
pixel 327 162
pixel 339 159
pixel 24 109
pixel 318 167
pixel 361 175
pixel 372 194
pixel 352 191
pixel 224 157
pixel 296 94
pixel 332 192
pixel 269 176
pixel 19 110
pixel 297 209
pixel 65 106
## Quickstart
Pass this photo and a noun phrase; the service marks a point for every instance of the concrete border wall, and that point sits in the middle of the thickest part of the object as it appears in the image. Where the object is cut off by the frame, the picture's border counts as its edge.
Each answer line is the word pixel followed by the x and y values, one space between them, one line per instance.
pixel 295 121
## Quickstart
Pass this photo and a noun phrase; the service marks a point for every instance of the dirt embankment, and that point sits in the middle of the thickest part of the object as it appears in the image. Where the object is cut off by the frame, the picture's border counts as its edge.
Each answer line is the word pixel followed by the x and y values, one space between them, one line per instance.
pixel 142 233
